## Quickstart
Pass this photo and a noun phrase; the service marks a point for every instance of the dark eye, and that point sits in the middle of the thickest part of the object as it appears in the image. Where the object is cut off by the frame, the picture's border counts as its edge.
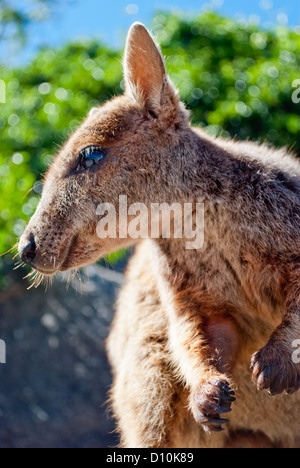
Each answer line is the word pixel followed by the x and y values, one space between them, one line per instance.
pixel 90 157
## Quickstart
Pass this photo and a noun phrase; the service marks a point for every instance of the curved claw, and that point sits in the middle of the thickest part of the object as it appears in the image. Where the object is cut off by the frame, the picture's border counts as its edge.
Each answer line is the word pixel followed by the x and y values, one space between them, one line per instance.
pixel 274 371
pixel 210 400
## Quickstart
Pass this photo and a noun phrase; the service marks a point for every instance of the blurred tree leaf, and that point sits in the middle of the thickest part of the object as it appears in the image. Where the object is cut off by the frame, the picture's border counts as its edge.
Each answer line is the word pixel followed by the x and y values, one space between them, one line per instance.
pixel 15 17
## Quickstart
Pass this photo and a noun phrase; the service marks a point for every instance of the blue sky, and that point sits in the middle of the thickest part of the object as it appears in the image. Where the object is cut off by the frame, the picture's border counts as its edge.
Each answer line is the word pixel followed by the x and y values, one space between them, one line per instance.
pixel 109 20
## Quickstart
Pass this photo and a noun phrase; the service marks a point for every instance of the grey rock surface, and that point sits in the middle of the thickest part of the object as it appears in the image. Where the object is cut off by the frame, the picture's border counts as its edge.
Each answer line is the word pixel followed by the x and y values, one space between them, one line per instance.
pixel 54 385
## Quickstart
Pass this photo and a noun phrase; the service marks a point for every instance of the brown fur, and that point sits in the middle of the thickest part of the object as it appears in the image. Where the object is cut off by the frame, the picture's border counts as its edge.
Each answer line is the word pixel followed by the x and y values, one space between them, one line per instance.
pixel 188 321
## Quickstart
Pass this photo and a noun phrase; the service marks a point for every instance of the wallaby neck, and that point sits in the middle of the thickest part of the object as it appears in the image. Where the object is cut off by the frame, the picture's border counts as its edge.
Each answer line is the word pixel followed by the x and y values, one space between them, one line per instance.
pixel 206 177
pixel 205 170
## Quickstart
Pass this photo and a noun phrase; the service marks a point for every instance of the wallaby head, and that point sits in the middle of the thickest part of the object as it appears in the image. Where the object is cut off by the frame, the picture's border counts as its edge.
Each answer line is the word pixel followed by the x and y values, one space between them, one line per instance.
pixel 125 147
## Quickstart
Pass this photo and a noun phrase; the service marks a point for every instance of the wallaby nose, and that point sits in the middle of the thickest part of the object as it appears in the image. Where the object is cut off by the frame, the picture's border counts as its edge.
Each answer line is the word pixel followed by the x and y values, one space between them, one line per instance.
pixel 28 253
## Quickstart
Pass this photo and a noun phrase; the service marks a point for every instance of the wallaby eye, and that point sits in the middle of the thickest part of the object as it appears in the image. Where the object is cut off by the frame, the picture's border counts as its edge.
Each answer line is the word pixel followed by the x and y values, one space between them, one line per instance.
pixel 90 157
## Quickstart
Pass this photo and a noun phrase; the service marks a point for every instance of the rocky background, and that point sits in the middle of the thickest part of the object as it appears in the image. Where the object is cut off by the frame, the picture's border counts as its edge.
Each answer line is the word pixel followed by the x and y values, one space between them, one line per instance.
pixel 53 387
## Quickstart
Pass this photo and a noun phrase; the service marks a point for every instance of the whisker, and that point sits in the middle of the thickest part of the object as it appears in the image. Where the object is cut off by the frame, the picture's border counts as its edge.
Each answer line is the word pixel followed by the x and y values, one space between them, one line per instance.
pixel 38 280
pixel 30 190
pixel 87 275
pixel 19 265
pixel 10 250
pixel 33 283
pixel 31 275
pixel 74 273
pixel 67 278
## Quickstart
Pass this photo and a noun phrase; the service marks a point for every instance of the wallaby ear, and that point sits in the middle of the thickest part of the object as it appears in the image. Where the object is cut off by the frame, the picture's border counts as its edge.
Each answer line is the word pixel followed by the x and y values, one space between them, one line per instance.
pixel 144 68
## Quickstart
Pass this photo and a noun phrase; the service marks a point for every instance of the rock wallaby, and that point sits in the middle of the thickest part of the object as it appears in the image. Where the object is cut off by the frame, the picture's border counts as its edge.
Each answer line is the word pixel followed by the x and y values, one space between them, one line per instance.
pixel 204 342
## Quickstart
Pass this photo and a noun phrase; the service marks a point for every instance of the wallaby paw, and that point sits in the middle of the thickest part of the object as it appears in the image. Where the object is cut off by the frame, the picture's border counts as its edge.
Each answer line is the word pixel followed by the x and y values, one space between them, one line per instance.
pixel 210 400
pixel 274 370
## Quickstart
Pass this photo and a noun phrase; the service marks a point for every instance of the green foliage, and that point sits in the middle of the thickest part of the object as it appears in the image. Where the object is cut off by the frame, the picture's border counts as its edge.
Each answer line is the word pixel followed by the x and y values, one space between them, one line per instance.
pixel 235 78
pixel 15 17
